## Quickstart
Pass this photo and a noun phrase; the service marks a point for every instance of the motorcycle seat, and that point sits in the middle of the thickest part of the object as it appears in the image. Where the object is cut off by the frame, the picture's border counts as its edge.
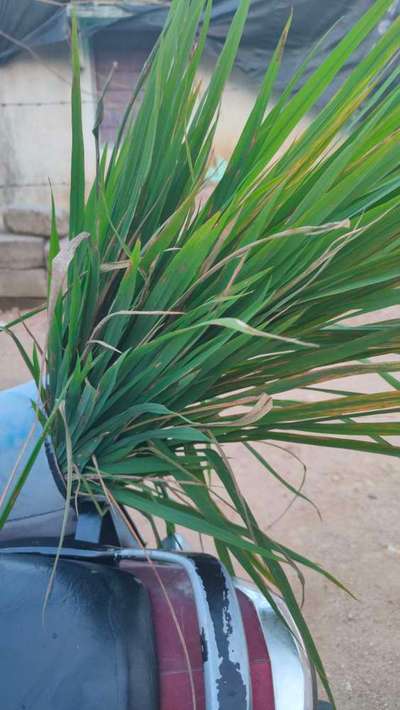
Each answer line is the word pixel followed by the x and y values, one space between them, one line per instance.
pixel 92 646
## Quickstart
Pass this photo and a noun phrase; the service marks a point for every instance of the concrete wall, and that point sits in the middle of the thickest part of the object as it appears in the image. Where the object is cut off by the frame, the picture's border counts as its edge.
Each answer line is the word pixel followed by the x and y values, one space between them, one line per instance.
pixel 238 100
pixel 35 127
pixel 35 146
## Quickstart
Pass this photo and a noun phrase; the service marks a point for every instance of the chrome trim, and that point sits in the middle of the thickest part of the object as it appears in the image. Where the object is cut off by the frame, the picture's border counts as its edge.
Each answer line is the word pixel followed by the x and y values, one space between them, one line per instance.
pixel 221 628
pixel 293 675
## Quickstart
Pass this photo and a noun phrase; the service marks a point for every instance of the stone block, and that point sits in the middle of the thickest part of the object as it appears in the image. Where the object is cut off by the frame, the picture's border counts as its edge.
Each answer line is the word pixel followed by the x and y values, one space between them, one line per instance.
pixel 23 283
pixel 21 252
pixel 35 221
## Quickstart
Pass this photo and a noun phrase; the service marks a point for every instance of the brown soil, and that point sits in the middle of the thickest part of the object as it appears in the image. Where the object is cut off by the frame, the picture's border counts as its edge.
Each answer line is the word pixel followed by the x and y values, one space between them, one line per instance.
pixel 358 540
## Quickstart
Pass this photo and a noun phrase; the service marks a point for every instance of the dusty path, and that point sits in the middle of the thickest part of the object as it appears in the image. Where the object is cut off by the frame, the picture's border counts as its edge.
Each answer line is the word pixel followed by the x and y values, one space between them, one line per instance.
pixel 358 540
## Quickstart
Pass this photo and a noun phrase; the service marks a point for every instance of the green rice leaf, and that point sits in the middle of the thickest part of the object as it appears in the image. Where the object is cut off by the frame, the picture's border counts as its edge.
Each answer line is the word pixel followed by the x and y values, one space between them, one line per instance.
pixel 77 193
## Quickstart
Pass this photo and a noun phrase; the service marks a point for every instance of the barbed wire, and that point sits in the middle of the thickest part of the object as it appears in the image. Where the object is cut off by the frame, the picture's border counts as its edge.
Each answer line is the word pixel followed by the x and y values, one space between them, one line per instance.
pixel 5 104
pixel 59 3
pixel 61 77
pixel 9 186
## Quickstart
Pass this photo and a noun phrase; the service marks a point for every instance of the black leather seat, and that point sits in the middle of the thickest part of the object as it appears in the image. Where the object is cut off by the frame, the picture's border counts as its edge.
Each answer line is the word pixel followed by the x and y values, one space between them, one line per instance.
pixel 93 649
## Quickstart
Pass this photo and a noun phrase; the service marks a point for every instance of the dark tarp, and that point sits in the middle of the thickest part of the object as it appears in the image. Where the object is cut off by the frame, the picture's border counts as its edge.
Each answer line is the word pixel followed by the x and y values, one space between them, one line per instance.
pixel 33 23
pixel 29 23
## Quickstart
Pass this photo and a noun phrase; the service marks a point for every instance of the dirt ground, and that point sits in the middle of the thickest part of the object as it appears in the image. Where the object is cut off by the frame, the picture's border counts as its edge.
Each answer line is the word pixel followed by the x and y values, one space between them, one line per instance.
pixel 358 540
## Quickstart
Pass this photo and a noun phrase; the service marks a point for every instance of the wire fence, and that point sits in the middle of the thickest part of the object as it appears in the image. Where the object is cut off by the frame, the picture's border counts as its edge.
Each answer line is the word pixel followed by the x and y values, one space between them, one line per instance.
pixel 10 185
pixel 16 104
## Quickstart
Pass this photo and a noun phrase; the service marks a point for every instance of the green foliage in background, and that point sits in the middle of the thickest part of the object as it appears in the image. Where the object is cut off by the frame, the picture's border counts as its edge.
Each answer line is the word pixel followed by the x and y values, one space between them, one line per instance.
pixel 172 314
